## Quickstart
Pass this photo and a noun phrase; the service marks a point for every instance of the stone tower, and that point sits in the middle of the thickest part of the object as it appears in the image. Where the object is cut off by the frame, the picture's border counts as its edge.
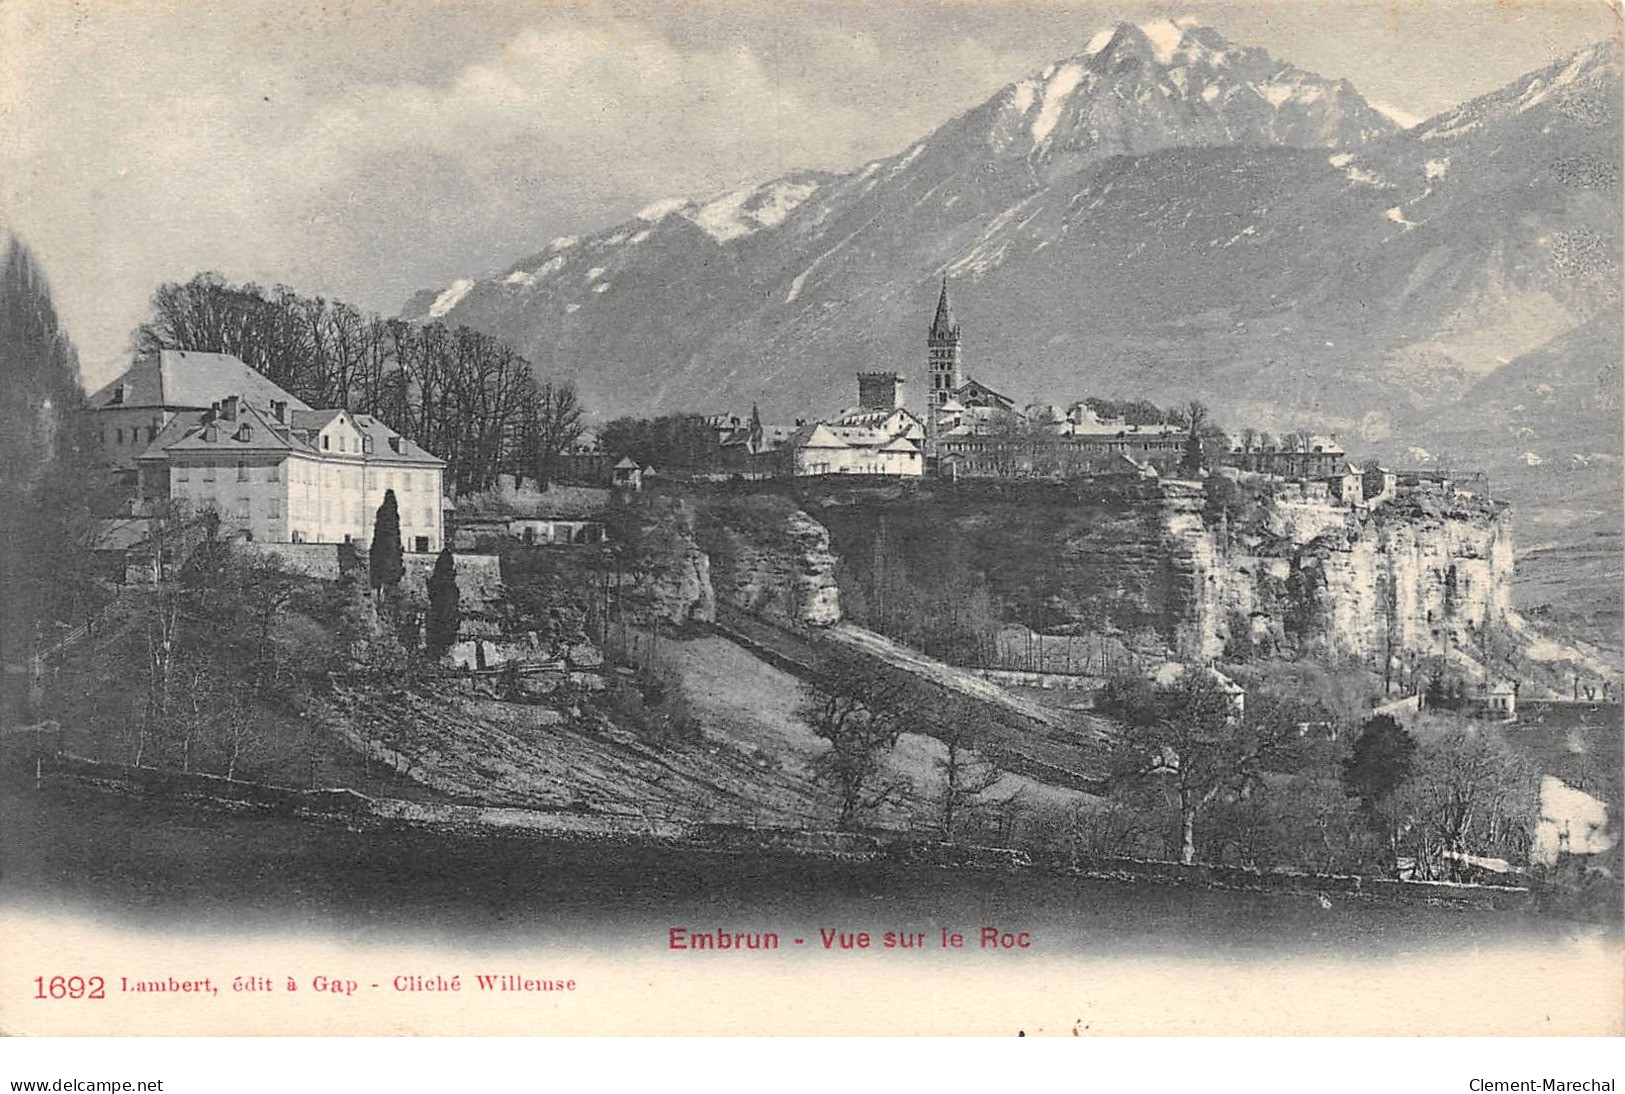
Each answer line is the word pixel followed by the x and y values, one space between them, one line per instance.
pixel 880 390
pixel 943 353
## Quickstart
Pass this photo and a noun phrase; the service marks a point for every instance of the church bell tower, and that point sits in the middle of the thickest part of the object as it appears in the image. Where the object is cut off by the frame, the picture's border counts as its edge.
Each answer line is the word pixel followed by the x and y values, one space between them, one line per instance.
pixel 943 362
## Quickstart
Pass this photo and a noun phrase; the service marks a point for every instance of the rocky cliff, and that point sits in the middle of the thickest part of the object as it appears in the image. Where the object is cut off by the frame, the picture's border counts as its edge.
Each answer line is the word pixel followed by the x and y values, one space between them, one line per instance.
pixel 772 560
pixel 1222 569
pixel 666 575
pixel 1416 576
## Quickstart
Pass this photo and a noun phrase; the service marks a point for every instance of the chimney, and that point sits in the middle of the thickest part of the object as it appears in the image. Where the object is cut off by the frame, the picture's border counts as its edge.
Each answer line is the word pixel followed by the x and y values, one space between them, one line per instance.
pixel 228 408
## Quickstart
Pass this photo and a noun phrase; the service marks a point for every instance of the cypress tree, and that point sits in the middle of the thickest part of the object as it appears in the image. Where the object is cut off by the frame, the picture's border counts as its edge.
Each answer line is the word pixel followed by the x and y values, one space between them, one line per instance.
pixel 39 370
pixel 47 493
pixel 384 562
pixel 444 615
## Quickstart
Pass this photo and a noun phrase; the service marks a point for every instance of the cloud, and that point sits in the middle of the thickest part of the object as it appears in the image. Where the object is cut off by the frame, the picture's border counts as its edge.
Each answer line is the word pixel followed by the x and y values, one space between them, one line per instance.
pixel 364 150
pixel 138 163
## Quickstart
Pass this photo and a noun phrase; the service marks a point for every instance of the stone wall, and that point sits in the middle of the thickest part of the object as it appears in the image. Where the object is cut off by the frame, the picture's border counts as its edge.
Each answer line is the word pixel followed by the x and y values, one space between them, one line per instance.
pixel 479 580
pixel 318 560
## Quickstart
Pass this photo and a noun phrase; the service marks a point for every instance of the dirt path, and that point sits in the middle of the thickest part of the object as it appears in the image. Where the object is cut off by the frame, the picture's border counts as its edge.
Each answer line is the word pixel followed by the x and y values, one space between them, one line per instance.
pixel 955 679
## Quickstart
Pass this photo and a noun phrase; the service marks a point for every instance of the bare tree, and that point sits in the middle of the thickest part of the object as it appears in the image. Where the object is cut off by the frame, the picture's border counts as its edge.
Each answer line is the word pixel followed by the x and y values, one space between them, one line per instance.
pixel 239 735
pixel 860 708
pixel 1469 795
pixel 552 422
pixel 966 777
pixel 1190 739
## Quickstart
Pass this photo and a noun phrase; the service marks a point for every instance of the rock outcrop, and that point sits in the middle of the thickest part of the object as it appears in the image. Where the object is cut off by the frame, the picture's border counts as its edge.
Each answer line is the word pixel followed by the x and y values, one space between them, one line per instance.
pixel 771 559
pixel 669 574
pixel 1414 577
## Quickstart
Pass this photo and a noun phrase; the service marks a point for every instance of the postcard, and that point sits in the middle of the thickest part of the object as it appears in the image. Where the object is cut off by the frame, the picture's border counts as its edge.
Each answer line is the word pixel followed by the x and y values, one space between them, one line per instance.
pixel 962 518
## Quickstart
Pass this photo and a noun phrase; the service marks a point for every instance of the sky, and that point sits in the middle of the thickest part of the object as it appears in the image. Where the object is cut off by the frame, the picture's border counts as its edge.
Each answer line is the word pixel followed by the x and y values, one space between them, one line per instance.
pixel 365 149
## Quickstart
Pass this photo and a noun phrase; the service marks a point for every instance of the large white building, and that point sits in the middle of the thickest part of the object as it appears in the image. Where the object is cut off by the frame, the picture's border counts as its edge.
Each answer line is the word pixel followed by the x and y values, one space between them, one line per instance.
pixel 206 430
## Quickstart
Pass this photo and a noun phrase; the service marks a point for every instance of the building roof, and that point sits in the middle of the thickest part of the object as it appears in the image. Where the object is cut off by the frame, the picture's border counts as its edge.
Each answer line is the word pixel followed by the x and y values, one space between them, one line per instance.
pixel 313 419
pixel 944 326
pixel 974 392
pixel 900 444
pixel 820 436
pixel 120 533
pixel 248 433
pixel 188 380
pixel 627 463
pixel 254 431
pixel 1169 672
pixel 174 430
pixel 871 416
pixel 403 450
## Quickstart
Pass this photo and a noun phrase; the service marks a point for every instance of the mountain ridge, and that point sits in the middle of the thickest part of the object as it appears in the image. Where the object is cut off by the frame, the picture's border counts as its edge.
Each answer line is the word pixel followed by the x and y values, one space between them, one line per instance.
pixel 1293 275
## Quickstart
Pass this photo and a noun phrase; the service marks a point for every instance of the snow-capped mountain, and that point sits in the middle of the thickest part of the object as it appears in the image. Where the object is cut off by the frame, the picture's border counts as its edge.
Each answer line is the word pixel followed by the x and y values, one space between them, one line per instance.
pixel 1166 84
pixel 1164 214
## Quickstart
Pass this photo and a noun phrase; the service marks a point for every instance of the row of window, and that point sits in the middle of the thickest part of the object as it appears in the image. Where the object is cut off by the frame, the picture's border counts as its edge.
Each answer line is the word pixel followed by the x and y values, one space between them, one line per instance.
pixel 243 509
pixel 420 544
pixel 138 434
pixel 352 515
pixel 344 443
pixel 303 473
pixel 245 472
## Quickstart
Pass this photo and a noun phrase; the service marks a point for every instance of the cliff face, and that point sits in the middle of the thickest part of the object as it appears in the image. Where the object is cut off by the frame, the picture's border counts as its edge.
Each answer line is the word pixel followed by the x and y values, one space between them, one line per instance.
pixel 1420 575
pixel 1200 570
pixel 771 559
pixel 669 574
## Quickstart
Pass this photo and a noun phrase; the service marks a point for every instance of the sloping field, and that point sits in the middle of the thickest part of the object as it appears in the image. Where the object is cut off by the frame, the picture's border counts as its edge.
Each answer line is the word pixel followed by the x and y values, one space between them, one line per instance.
pixel 498 753
pixel 752 706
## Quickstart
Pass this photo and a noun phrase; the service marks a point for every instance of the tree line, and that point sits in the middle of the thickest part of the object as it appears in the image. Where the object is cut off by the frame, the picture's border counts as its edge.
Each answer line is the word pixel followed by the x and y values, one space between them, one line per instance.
pixel 1193 774
pixel 465 396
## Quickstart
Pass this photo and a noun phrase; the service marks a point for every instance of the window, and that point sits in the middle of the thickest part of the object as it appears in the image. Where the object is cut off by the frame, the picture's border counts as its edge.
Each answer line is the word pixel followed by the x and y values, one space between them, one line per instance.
pixel 183 473
pixel 274 473
pixel 152 433
pixel 273 508
pixel 208 473
pixel 242 510
pixel 121 436
pixel 420 544
pixel 325 440
pixel 343 443
pixel 242 471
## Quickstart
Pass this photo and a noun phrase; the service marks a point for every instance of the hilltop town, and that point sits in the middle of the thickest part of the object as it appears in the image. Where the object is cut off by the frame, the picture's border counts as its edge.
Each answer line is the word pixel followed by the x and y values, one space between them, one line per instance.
pixel 1033 579
pixel 968 429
